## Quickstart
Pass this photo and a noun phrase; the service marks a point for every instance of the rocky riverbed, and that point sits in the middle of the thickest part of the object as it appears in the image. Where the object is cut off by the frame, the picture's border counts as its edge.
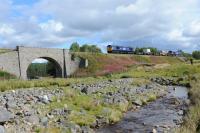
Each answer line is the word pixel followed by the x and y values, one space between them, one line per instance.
pixel 162 115
pixel 27 110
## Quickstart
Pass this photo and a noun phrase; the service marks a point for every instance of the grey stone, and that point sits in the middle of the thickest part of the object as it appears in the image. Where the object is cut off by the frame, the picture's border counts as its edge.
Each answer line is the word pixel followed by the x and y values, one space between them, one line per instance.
pixel 86 129
pixel 5 115
pixel 50 116
pixel 28 110
pixel 44 99
pixel 2 129
pixel 187 102
pixel 102 121
pixel 73 128
pixel 32 119
pixel 88 90
pixel 154 131
pixel 44 121
pixel 137 102
pixel 181 112
pixel 11 104
pixel 62 111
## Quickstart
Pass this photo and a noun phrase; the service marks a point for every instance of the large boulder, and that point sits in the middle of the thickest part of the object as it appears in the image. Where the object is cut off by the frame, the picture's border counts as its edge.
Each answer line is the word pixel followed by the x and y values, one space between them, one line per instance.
pixel 5 115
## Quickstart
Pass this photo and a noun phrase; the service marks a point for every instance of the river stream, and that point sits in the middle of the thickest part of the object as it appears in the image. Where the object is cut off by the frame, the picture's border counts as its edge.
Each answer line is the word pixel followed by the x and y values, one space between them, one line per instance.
pixel 162 115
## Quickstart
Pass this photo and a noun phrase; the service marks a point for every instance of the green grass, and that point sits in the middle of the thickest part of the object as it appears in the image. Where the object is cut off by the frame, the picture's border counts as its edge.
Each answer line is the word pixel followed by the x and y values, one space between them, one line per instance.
pixel 141 73
pixel 140 81
pixel 95 64
pixel 82 119
pixel 192 119
pixel 197 61
pixel 179 70
pixel 16 84
pixel 142 59
pixel 2 51
pixel 108 89
pixel 6 75
pixel 85 108
pixel 151 97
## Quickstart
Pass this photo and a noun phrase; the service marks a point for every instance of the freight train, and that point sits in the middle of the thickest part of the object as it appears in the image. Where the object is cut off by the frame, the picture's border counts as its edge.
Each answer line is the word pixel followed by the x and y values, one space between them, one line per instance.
pixel 129 50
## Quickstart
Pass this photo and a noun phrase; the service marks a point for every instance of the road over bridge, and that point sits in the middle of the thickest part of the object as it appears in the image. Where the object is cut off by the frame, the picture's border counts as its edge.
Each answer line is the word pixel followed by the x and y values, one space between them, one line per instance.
pixel 17 61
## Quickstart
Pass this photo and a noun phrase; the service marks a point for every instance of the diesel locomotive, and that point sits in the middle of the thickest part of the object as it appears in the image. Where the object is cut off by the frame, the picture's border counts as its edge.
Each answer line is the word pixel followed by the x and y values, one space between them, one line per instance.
pixel 119 49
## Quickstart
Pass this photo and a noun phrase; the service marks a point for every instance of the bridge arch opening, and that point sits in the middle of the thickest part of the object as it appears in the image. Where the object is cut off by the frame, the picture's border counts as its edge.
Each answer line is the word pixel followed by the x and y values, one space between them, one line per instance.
pixel 44 67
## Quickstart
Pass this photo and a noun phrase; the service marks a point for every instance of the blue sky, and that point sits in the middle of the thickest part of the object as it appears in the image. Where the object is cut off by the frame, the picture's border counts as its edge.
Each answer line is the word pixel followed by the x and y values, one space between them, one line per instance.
pixel 136 23
pixel 24 2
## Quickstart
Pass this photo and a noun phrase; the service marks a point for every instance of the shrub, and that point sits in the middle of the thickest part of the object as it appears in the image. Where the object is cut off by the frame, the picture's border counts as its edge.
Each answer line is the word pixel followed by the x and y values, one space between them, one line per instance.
pixel 126 76
pixel 196 54
pixel 82 119
pixel 152 97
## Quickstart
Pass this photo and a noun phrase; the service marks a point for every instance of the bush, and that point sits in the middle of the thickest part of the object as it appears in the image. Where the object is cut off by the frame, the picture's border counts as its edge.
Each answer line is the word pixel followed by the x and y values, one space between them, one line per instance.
pixel 126 76
pixel 196 55
pixel 6 75
pixel 152 97
pixel 82 119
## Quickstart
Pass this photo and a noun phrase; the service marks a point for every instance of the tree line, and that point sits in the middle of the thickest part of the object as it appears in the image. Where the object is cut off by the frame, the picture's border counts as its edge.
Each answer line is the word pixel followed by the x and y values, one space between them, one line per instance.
pixel 196 54
pixel 75 47
pixel 154 51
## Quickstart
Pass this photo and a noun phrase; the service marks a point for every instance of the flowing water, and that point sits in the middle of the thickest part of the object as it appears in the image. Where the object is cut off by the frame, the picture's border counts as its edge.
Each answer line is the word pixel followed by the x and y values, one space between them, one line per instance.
pixel 162 115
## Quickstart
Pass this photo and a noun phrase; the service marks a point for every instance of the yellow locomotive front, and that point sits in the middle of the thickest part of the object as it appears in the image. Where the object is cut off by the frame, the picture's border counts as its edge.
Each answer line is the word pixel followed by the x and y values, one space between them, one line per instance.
pixel 109 49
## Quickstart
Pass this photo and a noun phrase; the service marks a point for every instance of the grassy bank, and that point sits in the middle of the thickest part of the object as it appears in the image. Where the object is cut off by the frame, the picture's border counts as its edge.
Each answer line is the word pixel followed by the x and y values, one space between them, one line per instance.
pixel 17 84
pixel 101 64
pixel 192 119
pixel 180 72
pixel 177 71
pixel 139 71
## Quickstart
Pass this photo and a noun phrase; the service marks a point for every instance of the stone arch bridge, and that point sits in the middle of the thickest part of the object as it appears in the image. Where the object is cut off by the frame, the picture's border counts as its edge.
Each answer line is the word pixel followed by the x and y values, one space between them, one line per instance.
pixel 17 61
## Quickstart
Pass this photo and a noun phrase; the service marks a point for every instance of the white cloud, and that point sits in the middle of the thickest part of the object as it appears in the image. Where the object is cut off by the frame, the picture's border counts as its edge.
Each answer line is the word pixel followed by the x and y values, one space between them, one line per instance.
pixel 6 29
pixel 177 35
pixel 140 7
pixel 172 23
pixel 193 29
pixel 52 26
